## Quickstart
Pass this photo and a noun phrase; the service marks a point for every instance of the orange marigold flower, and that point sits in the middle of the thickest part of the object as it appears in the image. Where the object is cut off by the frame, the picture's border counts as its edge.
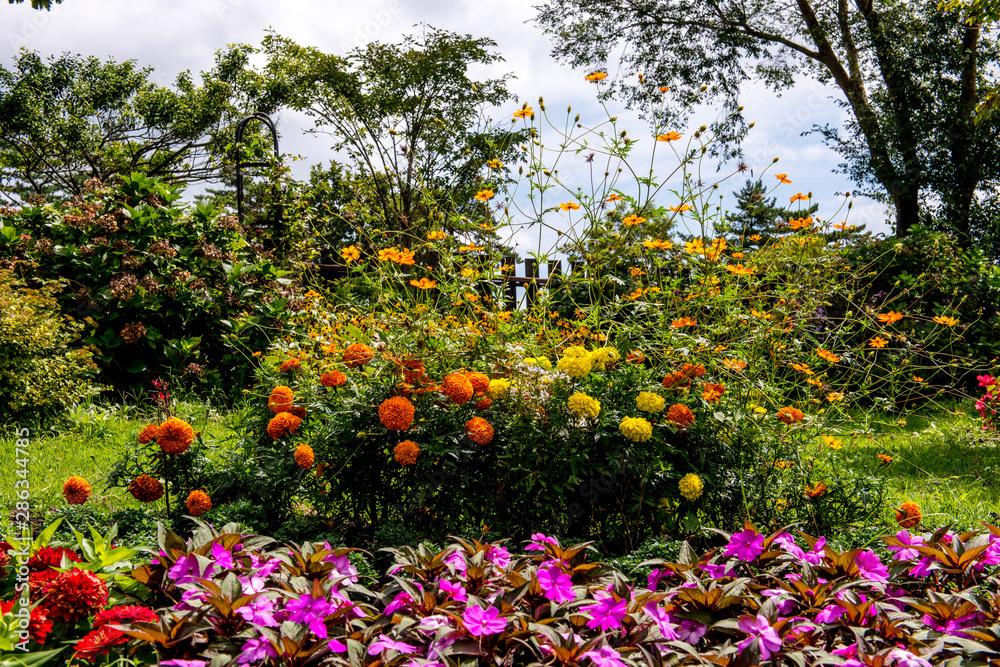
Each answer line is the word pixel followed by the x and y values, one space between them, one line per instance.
pixel 678 380
pixel 174 436
pixel 669 136
pixel 304 457
pixel 458 388
pixel 281 399
pixel 782 178
pixel 878 342
pixel 683 322
pixel 413 370
pixel 816 490
pixel 908 515
pixel 480 383
pixel 712 392
pixel 283 424
pixel 289 364
pixel 890 317
pixel 146 489
pixel 396 413
pixel 406 453
pixel 596 76
pixel 829 356
pixel 885 459
pixel 147 434
pixel 479 431
pixel 358 354
pixel 790 415
pixel 198 503
pixel 76 490
pixel 484 404
pixel 332 378
pixel 693 370
pixel 681 415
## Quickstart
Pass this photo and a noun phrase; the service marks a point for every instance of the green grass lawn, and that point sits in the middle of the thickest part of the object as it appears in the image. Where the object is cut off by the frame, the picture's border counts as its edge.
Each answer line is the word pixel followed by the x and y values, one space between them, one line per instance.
pixel 942 460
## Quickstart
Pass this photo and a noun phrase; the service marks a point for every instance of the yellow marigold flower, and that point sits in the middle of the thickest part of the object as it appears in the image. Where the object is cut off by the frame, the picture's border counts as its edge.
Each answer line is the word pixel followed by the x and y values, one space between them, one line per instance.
pixel 458 388
pixel 790 415
pixel 283 424
pixel 815 490
pixel 304 457
pixel 524 112
pixel 636 429
pixel 908 515
pixel 831 442
pixel 174 436
pixel 946 321
pixel 829 356
pixel 357 354
pixel 681 208
pixel 332 378
pixel 739 269
pixel 647 401
pixel 690 486
pixel 280 399
pixel 198 503
pixel 479 431
pixel 601 357
pixel 683 322
pixel 878 342
pixel 350 254
pixel 680 415
pixel 424 283
pixel 569 206
pixel 575 351
pixel 397 413
pixel 633 220
pixel 596 76
pixel 575 367
pixel 498 388
pixel 406 453
pixel 782 178
pixel 890 317
pixel 436 236
pixel 669 136
pixel 147 434
pixel 541 362
pixel 583 405
pixel 76 490
pixel 146 489
pixel 484 195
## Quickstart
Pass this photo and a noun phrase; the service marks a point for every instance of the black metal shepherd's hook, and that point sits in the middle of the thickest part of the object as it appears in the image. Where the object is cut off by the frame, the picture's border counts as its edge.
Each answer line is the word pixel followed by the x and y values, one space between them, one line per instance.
pixel 240 164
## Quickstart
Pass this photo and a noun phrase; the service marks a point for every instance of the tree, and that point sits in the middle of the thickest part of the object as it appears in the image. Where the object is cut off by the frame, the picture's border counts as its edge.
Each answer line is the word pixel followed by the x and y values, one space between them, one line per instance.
pixel 72 118
pixel 37 4
pixel 760 216
pixel 409 119
pixel 908 74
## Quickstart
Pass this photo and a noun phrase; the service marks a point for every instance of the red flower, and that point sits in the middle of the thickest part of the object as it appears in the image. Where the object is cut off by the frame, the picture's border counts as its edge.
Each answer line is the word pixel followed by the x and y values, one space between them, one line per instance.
pixel 131 613
pixel 98 643
pixel 74 595
pixel 39 626
pixel 49 557
pixel 37 581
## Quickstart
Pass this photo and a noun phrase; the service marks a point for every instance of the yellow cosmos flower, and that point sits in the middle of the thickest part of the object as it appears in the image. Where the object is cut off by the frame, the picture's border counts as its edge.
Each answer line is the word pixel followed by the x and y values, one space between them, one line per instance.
pixel 569 206
pixel 739 269
pixel 436 236
pixel 681 208
pixel 831 442
pixel 594 77
pixel 633 220
pixel 946 321
pixel 658 244
pixel 350 254
pixel 524 112
pixel 484 195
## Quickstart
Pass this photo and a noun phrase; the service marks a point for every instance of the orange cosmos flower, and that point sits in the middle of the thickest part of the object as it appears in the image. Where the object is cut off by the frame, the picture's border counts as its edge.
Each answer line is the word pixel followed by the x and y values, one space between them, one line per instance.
pixel 802 368
pixel 798 197
pixel 829 356
pixel 946 321
pixel 815 490
pixel 613 198
pixel 917 378
pixel 756 237
pixel 524 112
pixel 734 364
pixel 790 415
pixel 834 396
pixel 350 254
pixel 683 322
pixel 739 269
pixel 494 164
pixel 484 195
pixel 633 220
pixel 885 459
pixel 406 453
pixel 569 206
pixel 712 392
pixel 681 208
pixel 878 342
pixel 843 225
pixel 737 255
pixel 890 317
pixel 396 413
pixel 436 236
pixel 424 283
pixel 471 248
pixel 664 89
pixel 908 515
pixel 782 178
pixel 669 136
pixel 800 223
pixel 76 490
pixel 198 503
pixel 596 76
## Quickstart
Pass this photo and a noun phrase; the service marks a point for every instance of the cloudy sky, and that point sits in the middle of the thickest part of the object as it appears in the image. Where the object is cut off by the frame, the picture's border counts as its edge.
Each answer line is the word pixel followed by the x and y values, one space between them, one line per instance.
pixel 184 34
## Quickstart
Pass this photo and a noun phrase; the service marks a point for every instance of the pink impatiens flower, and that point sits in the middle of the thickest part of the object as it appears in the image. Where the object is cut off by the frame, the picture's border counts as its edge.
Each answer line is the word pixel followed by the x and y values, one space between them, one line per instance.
pixel 870 567
pixel 481 622
pixel 760 630
pixel 539 540
pixel 905 551
pixel 383 644
pixel 555 584
pixel 605 657
pixel 746 545
pixel 606 614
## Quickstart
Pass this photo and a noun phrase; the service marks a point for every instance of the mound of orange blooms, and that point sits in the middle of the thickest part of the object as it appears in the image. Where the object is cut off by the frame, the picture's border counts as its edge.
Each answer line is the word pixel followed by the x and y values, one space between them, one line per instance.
pixel 396 413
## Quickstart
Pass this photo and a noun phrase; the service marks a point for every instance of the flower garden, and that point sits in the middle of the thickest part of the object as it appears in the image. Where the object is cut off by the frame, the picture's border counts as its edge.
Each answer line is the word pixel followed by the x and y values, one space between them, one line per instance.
pixel 659 457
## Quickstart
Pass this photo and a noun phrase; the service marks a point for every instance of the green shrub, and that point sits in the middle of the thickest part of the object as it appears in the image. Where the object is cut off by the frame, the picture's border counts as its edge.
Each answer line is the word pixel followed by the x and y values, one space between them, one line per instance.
pixel 43 368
